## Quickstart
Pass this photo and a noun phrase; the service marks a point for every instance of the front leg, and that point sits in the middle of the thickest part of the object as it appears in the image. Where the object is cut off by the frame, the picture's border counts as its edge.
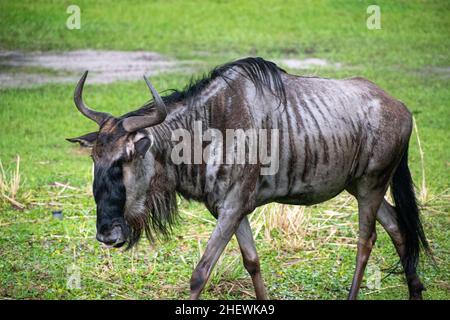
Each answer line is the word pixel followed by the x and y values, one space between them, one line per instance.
pixel 227 224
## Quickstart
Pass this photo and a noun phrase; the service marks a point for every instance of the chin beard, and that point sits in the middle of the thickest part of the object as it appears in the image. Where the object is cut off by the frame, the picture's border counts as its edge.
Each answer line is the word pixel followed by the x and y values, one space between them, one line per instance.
pixel 154 216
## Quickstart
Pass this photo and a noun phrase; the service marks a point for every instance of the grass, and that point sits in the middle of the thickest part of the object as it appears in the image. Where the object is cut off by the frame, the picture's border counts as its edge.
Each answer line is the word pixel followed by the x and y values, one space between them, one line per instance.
pixel 307 253
pixel 9 185
pixel 185 28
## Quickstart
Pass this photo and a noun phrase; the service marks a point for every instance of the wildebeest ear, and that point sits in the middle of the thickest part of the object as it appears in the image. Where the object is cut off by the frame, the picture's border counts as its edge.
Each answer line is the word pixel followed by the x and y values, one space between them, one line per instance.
pixel 141 146
pixel 86 140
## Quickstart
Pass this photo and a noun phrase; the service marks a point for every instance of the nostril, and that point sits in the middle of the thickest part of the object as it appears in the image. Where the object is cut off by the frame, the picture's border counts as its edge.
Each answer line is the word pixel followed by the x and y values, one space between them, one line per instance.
pixel 100 237
pixel 104 229
pixel 116 232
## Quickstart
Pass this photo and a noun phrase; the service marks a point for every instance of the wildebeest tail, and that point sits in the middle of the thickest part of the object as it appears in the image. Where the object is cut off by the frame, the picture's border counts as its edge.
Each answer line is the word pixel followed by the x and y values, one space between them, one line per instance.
pixel 408 214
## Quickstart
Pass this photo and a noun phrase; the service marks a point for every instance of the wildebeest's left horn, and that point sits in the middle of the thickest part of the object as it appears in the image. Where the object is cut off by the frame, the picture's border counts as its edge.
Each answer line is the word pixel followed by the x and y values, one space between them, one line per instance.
pixel 156 115
pixel 98 117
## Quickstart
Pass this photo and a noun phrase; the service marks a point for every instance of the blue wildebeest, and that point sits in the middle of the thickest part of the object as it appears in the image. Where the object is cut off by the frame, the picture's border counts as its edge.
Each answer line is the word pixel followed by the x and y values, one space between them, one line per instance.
pixel 334 135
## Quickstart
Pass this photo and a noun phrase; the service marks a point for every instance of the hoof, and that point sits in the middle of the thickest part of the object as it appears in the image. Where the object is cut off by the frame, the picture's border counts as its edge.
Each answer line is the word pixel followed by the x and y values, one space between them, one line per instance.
pixel 416 296
pixel 415 293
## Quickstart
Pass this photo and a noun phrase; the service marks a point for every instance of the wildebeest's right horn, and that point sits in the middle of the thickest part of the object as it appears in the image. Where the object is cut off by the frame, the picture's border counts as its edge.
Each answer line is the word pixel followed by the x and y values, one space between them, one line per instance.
pixel 156 115
pixel 98 117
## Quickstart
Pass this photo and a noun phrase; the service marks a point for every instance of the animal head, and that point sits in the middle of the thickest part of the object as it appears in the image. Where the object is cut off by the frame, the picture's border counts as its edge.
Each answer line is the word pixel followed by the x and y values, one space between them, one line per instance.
pixel 123 168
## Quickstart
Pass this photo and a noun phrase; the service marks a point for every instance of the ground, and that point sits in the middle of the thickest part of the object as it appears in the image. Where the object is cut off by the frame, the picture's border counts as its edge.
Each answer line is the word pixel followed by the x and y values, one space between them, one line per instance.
pixel 306 253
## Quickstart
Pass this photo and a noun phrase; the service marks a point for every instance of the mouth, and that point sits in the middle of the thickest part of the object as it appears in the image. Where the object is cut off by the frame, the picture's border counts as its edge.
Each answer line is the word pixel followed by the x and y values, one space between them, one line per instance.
pixel 118 244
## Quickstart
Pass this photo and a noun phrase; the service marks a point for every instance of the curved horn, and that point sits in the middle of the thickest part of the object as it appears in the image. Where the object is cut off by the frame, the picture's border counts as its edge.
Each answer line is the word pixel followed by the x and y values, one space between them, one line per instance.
pixel 157 115
pixel 159 103
pixel 98 117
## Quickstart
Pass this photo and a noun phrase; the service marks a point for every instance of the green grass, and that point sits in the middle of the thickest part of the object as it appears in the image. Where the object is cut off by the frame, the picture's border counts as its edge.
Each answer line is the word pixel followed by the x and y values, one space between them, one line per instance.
pixel 413 33
pixel 36 249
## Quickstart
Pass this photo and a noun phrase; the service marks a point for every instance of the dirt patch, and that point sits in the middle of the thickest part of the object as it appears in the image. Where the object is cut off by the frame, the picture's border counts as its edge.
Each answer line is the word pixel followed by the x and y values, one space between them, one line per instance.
pixel 309 63
pixel 440 72
pixel 26 69
pixel 104 66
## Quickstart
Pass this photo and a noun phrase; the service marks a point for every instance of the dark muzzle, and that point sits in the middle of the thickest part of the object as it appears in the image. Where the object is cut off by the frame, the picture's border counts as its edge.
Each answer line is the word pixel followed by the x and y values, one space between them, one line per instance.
pixel 111 236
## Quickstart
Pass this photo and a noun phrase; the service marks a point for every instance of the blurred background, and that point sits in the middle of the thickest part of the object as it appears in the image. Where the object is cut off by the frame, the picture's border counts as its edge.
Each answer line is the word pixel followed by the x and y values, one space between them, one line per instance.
pixel 47 214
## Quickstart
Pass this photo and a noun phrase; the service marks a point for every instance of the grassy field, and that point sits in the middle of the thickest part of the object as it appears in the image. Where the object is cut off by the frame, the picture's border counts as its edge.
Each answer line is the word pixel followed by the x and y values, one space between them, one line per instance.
pixel 408 57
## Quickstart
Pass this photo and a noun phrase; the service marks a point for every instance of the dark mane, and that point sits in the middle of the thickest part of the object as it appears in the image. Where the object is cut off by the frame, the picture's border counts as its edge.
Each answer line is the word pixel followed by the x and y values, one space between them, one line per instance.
pixel 263 73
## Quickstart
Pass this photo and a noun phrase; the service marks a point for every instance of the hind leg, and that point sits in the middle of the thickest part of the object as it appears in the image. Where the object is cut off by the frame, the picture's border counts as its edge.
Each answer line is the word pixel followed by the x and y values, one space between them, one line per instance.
pixel 387 216
pixel 250 257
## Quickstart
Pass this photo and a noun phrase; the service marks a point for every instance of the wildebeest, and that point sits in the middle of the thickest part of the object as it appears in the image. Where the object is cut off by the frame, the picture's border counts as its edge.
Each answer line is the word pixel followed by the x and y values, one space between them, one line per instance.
pixel 334 135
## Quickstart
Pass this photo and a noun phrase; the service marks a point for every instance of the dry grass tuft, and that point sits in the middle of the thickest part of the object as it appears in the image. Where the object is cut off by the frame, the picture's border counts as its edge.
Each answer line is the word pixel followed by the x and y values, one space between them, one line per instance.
pixel 283 225
pixel 423 193
pixel 291 228
pixel 10 184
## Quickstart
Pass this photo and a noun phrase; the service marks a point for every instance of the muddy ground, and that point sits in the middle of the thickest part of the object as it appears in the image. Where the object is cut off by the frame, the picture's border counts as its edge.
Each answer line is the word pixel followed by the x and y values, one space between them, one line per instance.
pixel 27 69
pixel 20 69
